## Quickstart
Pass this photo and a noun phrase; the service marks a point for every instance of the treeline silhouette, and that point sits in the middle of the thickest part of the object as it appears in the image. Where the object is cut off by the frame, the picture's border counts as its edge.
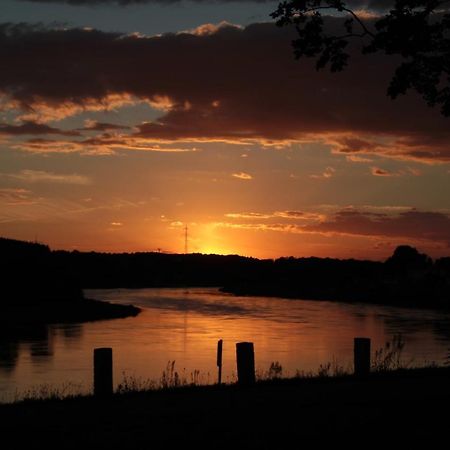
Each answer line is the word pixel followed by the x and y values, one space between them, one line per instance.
pixel 407 278
pixel 37 288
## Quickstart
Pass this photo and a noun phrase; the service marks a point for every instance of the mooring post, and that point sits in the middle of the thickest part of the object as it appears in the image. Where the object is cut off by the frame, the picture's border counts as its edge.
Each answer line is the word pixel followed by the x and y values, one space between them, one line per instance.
pixel 361 356
pixel 103 372
pixel 219 359
pixel 245 358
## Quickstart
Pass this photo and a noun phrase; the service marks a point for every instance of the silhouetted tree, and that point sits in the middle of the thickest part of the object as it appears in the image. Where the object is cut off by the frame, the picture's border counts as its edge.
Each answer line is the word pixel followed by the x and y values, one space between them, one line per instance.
pixel 406 257
pixel 416 30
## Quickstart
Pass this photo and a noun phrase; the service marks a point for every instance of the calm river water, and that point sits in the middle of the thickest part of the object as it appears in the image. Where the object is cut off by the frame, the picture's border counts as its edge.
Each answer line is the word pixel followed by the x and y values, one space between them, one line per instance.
pixel 183 325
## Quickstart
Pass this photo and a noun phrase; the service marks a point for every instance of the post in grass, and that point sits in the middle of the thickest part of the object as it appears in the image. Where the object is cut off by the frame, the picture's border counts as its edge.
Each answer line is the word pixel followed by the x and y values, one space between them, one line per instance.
pixel 103 372
pixel 245 358
pixel 361 356
pixel 219 360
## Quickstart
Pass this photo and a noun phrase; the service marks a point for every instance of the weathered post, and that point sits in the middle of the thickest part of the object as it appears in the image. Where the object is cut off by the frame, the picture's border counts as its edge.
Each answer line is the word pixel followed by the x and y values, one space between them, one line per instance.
pixel 245 358
pixel 219 359
pixel 361 356
pixel 103 372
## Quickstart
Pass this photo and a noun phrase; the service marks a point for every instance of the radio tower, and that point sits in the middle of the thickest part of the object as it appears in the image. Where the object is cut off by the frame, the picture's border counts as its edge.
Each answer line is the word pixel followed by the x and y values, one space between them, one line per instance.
pixel 185 240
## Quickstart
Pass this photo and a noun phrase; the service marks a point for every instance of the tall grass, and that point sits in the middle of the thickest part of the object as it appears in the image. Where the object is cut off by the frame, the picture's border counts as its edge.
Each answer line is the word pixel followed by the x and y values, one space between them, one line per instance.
pixel 390 357
pixel 47 391
pixel 170 378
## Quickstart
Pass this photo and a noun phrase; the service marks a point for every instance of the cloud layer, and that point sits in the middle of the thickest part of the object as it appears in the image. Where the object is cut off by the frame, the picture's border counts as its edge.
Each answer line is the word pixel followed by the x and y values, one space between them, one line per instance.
pixel 229 83
pixel 410 224
pixel 138 2
pixel 372 4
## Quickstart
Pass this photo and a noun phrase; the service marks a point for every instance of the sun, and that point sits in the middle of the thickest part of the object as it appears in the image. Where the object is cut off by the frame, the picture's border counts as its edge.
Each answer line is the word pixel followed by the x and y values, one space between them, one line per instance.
pixel 210 241
pixel 213 250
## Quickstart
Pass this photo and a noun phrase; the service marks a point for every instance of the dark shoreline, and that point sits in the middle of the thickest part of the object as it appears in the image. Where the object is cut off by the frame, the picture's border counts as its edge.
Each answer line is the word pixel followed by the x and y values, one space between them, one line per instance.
pixel 410 404
pixel 408 278
pixel 277 292
pixel 15 317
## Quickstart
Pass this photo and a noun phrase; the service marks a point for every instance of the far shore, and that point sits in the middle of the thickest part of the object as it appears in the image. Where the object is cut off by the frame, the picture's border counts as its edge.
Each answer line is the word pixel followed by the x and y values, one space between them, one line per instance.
pixel 365 298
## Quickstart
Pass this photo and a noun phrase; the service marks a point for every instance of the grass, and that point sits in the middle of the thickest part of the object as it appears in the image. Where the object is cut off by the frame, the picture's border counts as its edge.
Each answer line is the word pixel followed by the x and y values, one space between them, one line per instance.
pixel 169 379
pixel 47 391
pixel 395 406
pixel 390 357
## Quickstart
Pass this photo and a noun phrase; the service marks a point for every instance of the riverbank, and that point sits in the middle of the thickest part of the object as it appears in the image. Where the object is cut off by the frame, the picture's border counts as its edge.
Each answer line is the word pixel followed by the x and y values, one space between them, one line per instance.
pixel 410 405
pixel 14 317
pixel 395 299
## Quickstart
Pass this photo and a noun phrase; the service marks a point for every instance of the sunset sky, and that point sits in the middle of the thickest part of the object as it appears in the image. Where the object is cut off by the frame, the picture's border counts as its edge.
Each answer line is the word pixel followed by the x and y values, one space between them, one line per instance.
pixel 121 122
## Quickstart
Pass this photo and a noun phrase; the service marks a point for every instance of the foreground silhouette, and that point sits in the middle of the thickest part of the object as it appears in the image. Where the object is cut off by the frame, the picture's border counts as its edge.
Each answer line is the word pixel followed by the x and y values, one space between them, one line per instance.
pixel 407 278
pixel 415 31
pixel 407 405
pixel 36 289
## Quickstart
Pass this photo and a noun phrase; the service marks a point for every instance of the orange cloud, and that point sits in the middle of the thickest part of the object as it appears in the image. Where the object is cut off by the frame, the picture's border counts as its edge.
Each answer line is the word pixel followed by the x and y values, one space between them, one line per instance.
pixel 242 176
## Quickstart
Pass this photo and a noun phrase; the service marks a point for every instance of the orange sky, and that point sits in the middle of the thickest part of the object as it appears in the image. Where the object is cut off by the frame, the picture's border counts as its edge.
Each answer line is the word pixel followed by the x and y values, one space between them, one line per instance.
pixel 116 141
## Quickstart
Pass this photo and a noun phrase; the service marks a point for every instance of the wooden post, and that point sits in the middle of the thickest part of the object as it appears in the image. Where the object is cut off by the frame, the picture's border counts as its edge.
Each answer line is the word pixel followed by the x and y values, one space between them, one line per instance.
pixel 361 356
pixel 219 359
pixel 103 372
pixel 245 358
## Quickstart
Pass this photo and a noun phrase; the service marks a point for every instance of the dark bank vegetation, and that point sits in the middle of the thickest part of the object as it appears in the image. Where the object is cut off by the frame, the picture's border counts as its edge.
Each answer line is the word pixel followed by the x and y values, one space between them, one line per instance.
pixel 407 278
pixel 36 289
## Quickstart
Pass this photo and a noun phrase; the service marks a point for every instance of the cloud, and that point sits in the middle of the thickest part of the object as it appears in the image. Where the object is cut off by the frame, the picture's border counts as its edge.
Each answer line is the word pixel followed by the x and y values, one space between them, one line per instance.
pixel 426 147
pixel 33 128
pixel 358 159
pixel 295 215
pixel 248 215
pixel 15 196
pixel 40 176
pixel 99 145
pixel 299 215
pixel 419 225
pixel 242 176
pixel 376 171
pixel 136 2
pixel 327 173
pixel 373 222
pixel 92 125
pixel 206 90
pixel 363 4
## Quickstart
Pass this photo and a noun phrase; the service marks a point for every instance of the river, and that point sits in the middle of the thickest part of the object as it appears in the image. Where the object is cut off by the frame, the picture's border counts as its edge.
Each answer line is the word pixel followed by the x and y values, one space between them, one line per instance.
pixel 181 327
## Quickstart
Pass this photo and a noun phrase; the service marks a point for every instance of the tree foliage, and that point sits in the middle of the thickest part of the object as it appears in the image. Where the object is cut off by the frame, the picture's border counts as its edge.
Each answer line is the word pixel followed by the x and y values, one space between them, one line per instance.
pixel 418 31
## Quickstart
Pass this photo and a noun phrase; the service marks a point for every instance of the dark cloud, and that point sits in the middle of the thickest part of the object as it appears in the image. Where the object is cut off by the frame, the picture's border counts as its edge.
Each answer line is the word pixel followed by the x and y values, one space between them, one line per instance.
pixel 419 225
pixel 140 2
pixel 33 128
pixel 373 4
pixel 225 82
pixel 378 172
